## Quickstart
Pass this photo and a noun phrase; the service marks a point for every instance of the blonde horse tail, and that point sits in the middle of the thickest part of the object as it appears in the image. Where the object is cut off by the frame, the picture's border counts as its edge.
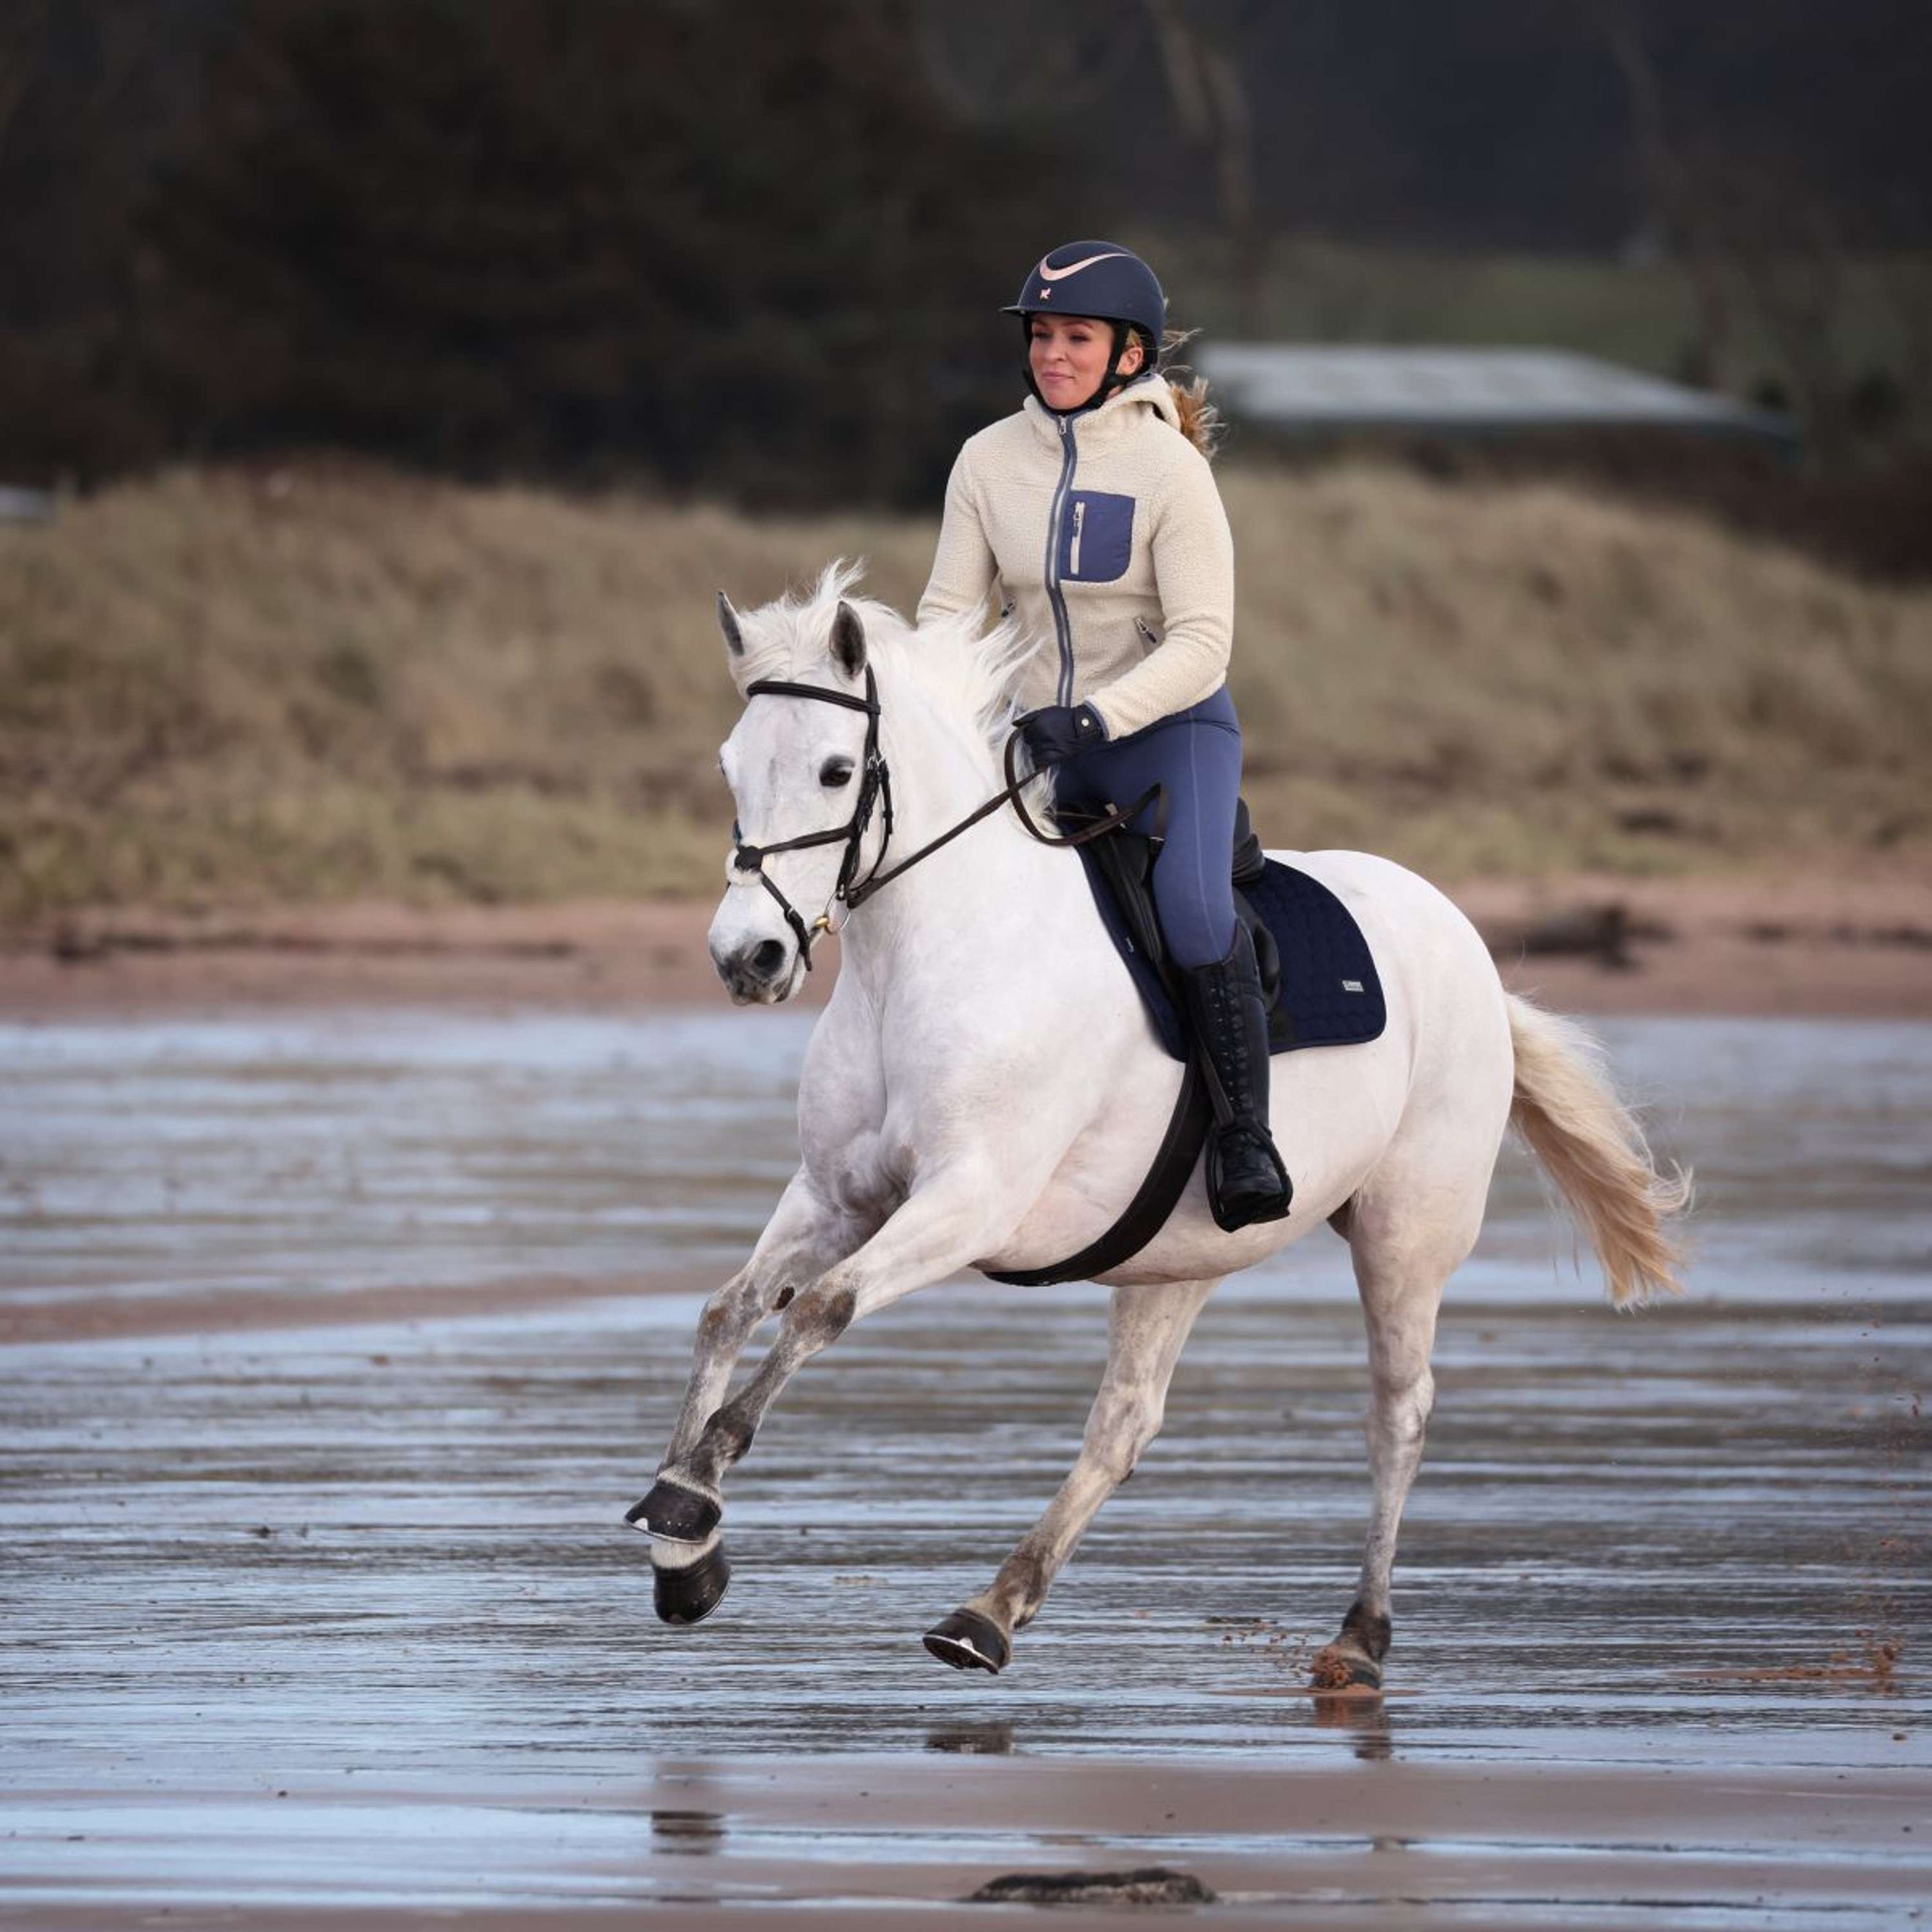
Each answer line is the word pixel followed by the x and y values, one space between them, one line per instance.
pixel 1593 1151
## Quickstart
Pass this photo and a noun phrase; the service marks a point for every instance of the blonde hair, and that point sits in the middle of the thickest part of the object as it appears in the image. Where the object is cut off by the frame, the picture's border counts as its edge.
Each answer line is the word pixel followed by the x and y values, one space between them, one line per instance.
pixel 1201 421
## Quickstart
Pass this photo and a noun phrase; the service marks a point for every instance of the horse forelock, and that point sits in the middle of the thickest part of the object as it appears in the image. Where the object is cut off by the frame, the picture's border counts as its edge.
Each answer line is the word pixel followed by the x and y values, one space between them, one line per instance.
pixel 965 675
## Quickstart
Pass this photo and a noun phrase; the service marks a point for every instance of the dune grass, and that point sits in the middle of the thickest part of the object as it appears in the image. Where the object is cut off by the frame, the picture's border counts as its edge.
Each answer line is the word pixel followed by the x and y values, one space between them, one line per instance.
pixel 243 687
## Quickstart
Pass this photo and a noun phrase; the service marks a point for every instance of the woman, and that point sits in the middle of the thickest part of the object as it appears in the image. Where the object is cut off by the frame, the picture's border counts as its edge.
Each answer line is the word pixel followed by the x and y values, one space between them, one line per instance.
pixel 1094 514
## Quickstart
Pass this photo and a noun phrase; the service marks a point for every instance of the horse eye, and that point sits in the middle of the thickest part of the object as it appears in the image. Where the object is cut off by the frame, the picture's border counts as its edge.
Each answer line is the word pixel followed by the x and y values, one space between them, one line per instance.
pixel 834 772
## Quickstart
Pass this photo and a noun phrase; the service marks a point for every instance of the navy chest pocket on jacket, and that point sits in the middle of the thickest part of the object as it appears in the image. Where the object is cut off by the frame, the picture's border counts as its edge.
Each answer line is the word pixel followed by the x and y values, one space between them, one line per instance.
pixel 1096 537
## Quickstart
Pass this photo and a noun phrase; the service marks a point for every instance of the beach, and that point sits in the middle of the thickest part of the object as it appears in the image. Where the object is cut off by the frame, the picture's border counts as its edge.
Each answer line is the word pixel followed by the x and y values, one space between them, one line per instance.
pixel 338 1337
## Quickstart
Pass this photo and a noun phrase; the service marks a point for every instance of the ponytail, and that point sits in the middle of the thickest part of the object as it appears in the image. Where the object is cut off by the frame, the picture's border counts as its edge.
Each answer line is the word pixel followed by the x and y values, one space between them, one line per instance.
pixel 1201 421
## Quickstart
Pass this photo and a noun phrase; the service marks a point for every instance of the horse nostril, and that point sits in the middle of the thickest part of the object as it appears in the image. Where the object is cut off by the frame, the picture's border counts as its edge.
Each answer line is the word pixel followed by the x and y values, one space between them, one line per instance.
pixel 768 958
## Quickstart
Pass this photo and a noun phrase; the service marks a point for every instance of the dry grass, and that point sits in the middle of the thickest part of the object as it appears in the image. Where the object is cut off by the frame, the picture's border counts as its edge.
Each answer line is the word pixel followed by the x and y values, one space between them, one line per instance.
pixel 241 687
pixel 1523 678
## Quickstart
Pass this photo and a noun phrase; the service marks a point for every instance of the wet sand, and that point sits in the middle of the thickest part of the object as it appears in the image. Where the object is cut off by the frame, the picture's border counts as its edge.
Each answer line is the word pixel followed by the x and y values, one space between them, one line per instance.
pixel 1856 943
pixel 894 1843
pixel 315 1621
pixel 78 1317
pixel 305 1624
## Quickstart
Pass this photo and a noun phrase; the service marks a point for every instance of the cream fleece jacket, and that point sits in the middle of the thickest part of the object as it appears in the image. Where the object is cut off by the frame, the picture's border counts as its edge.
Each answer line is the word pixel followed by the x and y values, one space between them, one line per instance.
pixel 1105 535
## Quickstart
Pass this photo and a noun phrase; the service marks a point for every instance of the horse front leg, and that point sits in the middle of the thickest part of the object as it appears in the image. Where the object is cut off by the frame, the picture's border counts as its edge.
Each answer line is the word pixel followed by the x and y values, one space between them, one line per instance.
pixel 1147 1326
pixel 805 1236
pixel 960 1212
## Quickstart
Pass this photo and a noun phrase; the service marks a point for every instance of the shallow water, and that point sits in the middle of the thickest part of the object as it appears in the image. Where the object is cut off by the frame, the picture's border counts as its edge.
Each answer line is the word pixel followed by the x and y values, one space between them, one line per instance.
pixel 387 1559
pixel 376 1149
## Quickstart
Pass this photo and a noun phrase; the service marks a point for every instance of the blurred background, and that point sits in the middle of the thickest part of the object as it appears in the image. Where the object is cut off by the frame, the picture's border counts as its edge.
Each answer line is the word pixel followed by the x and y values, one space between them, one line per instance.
pixel 386 385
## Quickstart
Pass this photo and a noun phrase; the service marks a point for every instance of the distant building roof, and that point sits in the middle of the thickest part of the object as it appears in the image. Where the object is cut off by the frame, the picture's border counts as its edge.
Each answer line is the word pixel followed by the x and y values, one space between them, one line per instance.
pixel 1307 390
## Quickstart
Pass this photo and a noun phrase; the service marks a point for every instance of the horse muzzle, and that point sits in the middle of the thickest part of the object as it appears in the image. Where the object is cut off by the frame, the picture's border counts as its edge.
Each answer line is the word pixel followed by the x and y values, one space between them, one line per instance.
pixel 760 972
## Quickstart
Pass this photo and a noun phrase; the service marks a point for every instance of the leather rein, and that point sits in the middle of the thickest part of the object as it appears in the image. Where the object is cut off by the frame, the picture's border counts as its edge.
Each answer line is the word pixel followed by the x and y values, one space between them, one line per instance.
pixel 875 793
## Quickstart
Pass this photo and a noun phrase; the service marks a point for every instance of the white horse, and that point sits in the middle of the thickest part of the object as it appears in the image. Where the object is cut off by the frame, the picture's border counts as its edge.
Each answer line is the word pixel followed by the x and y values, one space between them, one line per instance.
pixel 984 1089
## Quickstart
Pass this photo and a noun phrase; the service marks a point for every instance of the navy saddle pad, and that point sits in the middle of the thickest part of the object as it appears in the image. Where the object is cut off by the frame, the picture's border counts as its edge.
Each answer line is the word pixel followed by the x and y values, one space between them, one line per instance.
pixel 1329 994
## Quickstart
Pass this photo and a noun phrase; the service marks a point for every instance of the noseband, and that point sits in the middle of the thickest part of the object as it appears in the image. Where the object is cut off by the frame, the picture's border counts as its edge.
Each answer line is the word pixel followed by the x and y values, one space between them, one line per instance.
pixel 875 791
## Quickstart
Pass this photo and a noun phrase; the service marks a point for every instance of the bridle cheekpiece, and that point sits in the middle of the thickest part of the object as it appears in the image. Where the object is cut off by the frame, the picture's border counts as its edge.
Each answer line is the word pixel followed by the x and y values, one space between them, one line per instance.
pixel 875 791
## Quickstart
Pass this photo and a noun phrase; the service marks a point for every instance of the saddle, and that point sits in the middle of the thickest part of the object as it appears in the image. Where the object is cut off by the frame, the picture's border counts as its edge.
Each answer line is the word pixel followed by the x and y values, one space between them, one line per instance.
pixel 1317 974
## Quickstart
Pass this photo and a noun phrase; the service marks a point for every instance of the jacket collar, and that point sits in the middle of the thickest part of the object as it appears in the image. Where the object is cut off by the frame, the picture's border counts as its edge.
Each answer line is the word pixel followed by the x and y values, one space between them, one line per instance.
pixel 1117 414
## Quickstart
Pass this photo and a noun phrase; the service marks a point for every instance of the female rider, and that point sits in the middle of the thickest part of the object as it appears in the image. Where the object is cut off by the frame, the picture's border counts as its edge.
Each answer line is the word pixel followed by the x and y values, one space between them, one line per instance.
pixel 1094 514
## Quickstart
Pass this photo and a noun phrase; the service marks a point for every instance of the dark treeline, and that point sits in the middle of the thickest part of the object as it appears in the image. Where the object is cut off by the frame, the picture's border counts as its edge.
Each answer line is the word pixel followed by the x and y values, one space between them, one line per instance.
pixel 752 247
pixel 1527 124
pixel 736 247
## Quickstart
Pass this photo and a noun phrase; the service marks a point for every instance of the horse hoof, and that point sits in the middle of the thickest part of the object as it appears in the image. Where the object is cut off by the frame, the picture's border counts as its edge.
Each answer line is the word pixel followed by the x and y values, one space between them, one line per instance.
pixel 672 1514
pixel 967 1641
pixel 689 1594
pixel 1354 1661
pixel 1342 1666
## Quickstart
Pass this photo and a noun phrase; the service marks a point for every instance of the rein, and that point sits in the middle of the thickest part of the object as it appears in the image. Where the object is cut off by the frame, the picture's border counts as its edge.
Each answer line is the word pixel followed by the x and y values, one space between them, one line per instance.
pixel 875 791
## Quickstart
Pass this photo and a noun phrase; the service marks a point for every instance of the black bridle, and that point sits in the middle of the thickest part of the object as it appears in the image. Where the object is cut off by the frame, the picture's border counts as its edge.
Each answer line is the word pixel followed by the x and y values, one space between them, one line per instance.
pixel 875 791
pixel 875 788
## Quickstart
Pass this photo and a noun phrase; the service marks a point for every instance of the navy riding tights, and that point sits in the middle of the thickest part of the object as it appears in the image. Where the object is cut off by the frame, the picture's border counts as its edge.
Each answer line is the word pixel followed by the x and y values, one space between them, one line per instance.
pixel 1195 757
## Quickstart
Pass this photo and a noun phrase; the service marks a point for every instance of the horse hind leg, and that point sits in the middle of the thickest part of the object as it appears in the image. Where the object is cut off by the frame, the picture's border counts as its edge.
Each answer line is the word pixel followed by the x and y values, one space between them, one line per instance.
pixel 1147 1328
pixel 1400 1273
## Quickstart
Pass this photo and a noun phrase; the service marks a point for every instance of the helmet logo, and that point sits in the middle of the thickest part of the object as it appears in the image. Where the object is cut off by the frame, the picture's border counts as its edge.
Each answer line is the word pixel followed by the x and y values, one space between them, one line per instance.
pixel 1047 274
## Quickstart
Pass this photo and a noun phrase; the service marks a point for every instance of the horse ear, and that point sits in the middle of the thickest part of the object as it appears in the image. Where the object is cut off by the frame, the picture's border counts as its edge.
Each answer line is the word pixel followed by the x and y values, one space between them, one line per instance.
pixel 727 622
pixel 848 640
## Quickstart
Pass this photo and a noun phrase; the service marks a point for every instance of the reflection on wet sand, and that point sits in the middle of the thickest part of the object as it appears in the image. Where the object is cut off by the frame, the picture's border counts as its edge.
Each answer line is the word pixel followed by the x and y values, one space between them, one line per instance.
pixel 1364 1716
pixel 675 1831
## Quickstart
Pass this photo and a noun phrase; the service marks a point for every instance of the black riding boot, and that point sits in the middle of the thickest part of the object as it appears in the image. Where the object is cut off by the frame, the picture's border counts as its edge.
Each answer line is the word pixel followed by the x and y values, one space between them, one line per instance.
pixel 1246 1179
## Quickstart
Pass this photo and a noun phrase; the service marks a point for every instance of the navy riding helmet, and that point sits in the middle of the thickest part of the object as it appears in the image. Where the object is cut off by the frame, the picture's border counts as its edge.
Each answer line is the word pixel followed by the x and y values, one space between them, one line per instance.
pixel 1106 281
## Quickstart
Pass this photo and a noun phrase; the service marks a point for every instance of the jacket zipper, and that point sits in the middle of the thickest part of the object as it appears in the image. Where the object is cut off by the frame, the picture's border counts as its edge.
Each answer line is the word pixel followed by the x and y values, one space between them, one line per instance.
pixel 1079 520
pixel 1063 628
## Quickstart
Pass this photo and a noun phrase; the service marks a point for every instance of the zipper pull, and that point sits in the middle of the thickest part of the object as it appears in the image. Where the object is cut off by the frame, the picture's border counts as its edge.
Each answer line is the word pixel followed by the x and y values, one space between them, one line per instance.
pixel 1079 520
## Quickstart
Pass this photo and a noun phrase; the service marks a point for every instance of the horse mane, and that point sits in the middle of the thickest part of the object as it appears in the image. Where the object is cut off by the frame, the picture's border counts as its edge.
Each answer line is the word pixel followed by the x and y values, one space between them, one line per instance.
pixel 965 674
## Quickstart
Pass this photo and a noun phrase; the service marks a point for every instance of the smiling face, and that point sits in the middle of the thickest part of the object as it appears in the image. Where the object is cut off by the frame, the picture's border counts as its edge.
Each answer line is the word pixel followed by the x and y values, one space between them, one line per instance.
pixel 1068 354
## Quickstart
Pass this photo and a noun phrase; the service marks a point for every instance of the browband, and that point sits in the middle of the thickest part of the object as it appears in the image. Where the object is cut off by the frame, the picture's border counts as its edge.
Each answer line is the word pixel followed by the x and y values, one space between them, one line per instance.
pixel 775 687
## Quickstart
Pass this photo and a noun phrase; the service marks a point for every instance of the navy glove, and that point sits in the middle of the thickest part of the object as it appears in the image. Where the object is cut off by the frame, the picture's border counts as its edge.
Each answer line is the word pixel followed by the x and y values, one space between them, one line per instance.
pixel 1057 732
